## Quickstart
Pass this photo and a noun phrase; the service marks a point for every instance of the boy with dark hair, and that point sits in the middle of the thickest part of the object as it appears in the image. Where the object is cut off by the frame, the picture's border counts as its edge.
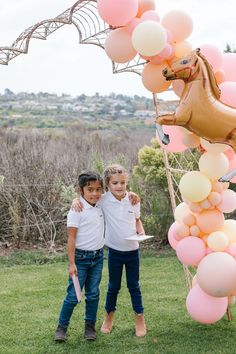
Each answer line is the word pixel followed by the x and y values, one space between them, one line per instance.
pixel 85 252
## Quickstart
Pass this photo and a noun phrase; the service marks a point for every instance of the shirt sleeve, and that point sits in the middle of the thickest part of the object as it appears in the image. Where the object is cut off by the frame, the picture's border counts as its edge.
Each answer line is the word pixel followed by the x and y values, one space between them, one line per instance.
pixel 137 210
pixel 73 218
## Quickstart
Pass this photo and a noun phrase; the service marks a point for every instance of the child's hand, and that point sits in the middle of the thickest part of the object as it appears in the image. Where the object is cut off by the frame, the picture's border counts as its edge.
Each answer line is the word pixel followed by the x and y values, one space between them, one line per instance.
pixel 77 205
pixel 73 270
pixel 134 198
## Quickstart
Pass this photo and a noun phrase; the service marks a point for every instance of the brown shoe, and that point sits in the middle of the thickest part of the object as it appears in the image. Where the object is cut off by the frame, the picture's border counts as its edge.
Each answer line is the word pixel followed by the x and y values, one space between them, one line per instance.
pixel 89 331
pixel 140 326
pixel 60 334
pixel 107 323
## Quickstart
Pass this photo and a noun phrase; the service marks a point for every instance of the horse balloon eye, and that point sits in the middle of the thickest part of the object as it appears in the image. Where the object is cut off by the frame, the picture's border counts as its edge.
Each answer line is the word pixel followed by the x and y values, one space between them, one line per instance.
pixel 185 61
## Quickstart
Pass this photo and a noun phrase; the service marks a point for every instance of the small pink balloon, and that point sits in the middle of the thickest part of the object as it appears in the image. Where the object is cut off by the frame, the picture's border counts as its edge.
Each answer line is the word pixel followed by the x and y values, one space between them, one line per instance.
pixel 208 251
pixel 167 52
pixel 232 166
pixel 210 220
pixel 228 201
pixel 204 308
pixel 176 144
pixel 190 250
pixel 150 15
pixel 205 204
pixel 117 13
pixel 172 236
pixel 214 198
pixel 195 207
pixel 230 153
pixel 229 65
pixel 132 24
pixel 182 230
pixel 213 55
pixel 232 250
pixel 194 230
pixel 228 93
pixel 169 36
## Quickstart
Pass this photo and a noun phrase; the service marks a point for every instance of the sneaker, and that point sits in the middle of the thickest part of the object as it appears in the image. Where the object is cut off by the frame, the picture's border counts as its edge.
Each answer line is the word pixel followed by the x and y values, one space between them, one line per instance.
pixel 60 334
pixel 89 331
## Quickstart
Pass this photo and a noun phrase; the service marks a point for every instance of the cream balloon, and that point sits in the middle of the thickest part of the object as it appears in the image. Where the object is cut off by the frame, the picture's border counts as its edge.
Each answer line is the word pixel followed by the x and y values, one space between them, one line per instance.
pixel 194 186
pixel 181 211
pixel 229 228
pixel 217 241
pixel 149 38
pixel 216 147
pixel 213 165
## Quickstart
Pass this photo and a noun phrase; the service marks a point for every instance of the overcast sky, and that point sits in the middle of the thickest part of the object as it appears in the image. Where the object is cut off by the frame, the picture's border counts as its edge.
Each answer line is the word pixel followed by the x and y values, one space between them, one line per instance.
pixel 61 65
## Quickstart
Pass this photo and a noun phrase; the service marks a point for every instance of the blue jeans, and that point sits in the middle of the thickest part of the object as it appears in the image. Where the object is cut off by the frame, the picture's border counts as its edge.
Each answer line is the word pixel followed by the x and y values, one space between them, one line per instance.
pixel 116 261
pixel 89 265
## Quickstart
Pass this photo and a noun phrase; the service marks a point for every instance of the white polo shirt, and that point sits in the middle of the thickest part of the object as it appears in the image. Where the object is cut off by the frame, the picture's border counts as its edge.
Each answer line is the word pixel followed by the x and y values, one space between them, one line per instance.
pixel 120 222
pixel 90 224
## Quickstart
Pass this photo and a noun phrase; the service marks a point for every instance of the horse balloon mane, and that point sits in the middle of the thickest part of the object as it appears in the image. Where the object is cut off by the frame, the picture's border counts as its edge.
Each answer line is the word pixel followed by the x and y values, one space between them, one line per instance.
pixel 200 110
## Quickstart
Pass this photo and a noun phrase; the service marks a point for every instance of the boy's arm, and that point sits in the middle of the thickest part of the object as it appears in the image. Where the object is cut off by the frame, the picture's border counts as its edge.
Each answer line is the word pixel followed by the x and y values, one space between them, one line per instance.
pixel 133 198
pixel 139 227
pixel 71 232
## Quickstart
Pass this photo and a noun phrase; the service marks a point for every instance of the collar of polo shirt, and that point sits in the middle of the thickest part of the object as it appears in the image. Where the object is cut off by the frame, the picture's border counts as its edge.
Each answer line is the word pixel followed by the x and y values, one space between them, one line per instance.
pixel 114 199
pixel 85 203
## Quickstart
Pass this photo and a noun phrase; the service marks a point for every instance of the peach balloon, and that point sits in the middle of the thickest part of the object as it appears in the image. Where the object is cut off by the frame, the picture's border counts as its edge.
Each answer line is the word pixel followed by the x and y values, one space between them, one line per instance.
pixel 220 76
pixel 217 186
pixel 216 274
pixel 195 208
pixel 189 220
pixel 204 308
pixel 190 250
pixel 156 60
pixel 117 13
pixel 205 204
pixel 150 15
pixel 213 165
pixel 118 46
pixel 178 87
pixel 228 201
pixel 214 148
pixel 213 55
pixel 176 144
pixel 194 186
pixel 217 241
pixel 149 38
pixel 145 5
pixel 229 228
pixel 191 140
pixel 194 230
pixel 179 23
pixel 182 230
pixel 181 211
pixel 210 220
pixel 182 48
pixel 153 79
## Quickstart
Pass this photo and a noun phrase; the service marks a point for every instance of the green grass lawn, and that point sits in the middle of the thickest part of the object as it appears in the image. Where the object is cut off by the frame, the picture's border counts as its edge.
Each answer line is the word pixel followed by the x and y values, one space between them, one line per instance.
pixel 31 298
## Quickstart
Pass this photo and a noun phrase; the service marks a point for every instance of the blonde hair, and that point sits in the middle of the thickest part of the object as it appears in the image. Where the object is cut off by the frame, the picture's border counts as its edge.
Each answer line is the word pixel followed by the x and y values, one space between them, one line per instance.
pixel 112 170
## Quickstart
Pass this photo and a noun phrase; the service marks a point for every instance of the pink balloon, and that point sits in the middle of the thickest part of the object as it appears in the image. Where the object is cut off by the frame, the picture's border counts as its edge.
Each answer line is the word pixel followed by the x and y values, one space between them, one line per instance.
pixel 169 36
pixel 191 250
pixel 229 65
pixel 118 46
pixel 150 15
pixel 228 201
pixel 228 93
pixel 213 55
pixel 230 153
pixel 220 76
pixel 167 52
pixel 133 24
pixel 210 220
pixel 176 144
pixel 178 87
pixel 117 13
pixel 232 250
pixel 204 308
pixel 172 237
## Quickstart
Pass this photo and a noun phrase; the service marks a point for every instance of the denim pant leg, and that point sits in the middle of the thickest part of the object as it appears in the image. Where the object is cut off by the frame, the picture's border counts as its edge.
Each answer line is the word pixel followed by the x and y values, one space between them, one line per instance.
pixel 71 299
pixel 92 292
pixel 132 278
pixel 115 268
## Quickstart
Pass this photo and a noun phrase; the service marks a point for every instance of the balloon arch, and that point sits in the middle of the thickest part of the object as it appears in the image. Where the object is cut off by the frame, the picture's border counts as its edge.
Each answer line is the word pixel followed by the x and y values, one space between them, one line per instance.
pixel 193 246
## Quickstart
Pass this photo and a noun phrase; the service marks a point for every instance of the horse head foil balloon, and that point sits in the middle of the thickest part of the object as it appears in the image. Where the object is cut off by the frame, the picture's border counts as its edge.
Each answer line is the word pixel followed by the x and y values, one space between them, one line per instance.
pixel 200 110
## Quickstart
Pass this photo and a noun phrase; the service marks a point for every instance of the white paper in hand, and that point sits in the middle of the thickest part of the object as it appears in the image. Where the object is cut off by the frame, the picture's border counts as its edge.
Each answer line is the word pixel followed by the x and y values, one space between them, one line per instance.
pixel 77 288
pixel 138 237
